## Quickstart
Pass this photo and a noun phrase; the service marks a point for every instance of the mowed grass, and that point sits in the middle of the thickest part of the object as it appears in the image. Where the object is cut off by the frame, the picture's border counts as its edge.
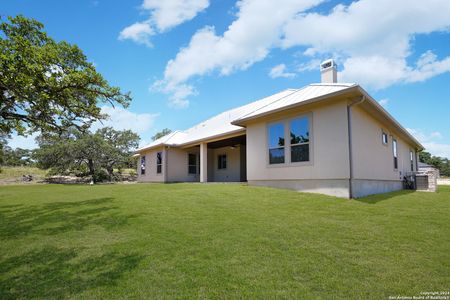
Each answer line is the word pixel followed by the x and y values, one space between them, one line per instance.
pixel 148 241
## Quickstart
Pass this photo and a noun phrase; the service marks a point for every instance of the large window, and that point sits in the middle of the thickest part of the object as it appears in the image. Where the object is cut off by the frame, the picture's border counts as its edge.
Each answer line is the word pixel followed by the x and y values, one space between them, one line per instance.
pixel 394 151
pixel 222 161
pixel 159 162
pixel 192 163
pixel 143 165
pixel 299 134
pixel 411 159
pixel 276 143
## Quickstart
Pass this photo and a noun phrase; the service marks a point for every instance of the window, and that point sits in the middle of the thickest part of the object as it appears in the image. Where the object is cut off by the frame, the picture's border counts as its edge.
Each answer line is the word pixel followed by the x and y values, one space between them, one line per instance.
pixel 411 156
pixel 394 150
pixel 192 163
pixel 276 143
pixel 222 161
pixel 159 162
pixel 143 165
pixel 299 132
pixel 384 138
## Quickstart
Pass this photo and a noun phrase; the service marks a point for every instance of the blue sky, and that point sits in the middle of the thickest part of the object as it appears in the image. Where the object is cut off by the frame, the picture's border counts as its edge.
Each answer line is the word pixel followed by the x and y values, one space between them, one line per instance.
pixel 185 61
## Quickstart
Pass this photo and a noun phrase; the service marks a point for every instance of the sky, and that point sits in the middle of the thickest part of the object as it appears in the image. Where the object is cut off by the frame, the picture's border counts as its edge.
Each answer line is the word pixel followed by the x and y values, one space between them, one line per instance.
pixel 185 61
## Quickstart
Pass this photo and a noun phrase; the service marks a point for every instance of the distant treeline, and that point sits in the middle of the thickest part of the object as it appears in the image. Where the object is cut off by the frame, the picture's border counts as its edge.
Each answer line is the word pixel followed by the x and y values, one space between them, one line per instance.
pixel 441 163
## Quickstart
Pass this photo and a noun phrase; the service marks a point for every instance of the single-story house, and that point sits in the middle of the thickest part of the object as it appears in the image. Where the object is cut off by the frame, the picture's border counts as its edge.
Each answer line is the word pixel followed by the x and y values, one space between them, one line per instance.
pixel 331 138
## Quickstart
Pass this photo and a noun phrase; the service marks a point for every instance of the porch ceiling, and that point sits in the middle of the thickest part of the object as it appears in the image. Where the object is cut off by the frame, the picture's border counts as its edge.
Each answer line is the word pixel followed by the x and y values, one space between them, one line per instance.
pixel 237 140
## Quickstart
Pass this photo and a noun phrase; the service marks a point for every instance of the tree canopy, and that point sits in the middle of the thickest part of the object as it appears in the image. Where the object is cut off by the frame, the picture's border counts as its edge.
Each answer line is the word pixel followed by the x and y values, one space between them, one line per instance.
pixel 162 133
pixel 47 85
pixel 440 163
pixel 85 153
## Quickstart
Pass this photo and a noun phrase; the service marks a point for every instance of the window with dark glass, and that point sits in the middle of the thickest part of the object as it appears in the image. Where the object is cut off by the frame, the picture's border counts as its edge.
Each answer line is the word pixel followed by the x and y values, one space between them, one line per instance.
pixel 299 134
pixel 222 161
pixel 143 165
pixel 411 159
pixel 394 150
pixel 276 143
pixel 159 162
pixel 192 163
pixel 384 138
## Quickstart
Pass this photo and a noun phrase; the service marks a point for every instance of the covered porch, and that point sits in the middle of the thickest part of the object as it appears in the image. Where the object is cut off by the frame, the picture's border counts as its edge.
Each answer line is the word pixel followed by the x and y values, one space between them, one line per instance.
pixel 223 160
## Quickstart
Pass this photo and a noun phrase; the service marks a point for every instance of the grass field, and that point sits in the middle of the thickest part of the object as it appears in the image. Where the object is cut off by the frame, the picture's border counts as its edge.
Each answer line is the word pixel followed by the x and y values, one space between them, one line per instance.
pixel 152 241
pixel 14 174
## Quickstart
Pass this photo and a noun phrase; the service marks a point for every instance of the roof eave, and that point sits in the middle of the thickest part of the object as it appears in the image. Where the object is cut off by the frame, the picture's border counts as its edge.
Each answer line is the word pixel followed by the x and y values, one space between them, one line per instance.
pixel 388 116
pixel 242 121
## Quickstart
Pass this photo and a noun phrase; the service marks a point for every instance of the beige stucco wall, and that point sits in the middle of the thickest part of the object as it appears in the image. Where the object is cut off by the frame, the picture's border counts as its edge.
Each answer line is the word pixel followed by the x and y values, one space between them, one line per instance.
pixel 328 149
pixel 177 166
pixel 150 168
pixel 233 171
pixel 371 158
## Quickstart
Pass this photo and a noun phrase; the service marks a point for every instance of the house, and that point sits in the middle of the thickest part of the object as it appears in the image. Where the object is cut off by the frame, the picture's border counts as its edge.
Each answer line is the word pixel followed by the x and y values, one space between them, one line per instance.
pixel 331 138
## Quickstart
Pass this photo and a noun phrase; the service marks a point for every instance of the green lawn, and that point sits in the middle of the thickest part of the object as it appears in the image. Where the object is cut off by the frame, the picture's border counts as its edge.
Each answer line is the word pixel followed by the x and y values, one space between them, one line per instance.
pixel 152 241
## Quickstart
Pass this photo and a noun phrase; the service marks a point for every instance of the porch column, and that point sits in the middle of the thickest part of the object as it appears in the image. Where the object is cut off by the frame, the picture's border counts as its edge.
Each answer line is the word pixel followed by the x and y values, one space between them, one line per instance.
pixel 203 162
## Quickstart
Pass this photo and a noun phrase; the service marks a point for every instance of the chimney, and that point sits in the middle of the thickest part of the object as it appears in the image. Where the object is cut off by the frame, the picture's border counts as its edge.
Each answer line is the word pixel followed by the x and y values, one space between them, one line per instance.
pixel 328 71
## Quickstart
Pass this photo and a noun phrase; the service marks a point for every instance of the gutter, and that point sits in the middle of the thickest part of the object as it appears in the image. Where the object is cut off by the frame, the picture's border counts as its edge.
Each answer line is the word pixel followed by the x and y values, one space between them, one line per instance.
pixel 350 145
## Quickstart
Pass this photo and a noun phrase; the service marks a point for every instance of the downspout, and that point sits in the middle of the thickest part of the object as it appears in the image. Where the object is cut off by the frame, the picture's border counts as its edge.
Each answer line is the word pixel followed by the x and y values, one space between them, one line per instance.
pixel 350 145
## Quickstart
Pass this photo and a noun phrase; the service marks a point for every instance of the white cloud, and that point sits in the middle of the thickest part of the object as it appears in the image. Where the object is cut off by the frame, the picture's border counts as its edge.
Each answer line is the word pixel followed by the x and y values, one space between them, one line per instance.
pixel 311 65
pixel 384 102
pixel 170 13
pixel 246 41
pixel 280 71
pixel 164 15
pixel 123 119
pixel 138 32
pixel 431 142
pixel 373 39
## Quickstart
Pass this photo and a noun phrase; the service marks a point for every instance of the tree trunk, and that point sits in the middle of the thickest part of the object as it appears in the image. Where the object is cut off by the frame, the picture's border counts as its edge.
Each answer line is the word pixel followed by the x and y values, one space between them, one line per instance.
pixel 91 169
pixel 110 171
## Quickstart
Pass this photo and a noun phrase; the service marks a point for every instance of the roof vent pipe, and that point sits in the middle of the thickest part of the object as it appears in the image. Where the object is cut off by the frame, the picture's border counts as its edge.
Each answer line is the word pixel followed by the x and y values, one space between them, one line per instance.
pixel 328 71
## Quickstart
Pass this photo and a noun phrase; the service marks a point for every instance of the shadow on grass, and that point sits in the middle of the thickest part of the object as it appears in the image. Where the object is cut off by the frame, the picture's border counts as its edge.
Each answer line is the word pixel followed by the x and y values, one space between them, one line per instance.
pixel 59 217
pixel 374 199
pixel 58 273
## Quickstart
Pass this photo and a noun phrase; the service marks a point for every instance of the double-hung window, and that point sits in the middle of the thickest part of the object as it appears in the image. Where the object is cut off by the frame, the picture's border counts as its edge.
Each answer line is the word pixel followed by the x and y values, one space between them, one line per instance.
pixel 159 162
pixel 394 151
pixel 222 161
pixel 192 163
pixel 143 165
pixel 299 134
pixel 411 159
pixel 276 143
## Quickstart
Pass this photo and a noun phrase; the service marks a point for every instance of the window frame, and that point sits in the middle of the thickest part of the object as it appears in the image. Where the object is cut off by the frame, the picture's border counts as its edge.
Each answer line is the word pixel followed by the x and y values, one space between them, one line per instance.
pixel 222 166
pixel 411 159
pixel 159 162
pixel 299 144
pixel 268 148
pixel 143 164
pixel 287 145
pixel 192 165
pixel 395 153
pixel 384 134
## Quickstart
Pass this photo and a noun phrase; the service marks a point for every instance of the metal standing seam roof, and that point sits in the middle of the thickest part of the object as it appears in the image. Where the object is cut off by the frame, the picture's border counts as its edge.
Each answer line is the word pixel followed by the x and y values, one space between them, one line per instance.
pixel 221 124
